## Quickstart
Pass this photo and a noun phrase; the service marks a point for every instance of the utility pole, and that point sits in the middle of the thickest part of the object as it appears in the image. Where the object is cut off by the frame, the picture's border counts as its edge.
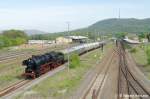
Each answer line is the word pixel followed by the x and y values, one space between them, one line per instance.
pixel 87 37
pixel 95 35
pixel 68 29
pixel 119 14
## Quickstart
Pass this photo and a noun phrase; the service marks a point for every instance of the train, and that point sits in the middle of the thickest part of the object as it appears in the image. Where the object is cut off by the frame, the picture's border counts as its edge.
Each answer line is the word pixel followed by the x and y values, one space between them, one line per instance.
pixel 37 65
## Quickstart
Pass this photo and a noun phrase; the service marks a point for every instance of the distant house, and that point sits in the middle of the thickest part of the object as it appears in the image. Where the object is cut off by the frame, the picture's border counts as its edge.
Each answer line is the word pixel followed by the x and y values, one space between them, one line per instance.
pixel 63 40
pixel 80 39
pixel 69 39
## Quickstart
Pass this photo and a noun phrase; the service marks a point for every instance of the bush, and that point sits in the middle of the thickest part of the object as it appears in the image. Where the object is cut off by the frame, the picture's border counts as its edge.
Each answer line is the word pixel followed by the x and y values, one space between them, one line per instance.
pixel 7 42
pixel 4 42
pixel 74 60
pixel 18 41
pixel 127 46
pixel 14 34
pixel 120 35
pixel 133 50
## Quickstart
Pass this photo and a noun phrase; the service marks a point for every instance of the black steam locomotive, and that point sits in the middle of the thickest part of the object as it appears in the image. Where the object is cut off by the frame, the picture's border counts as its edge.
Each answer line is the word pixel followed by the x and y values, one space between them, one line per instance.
pixel 40 64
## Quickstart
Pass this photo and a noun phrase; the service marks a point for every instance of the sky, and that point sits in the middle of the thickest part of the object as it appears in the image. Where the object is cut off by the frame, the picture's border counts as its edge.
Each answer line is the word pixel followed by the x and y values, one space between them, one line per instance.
pixel 53 15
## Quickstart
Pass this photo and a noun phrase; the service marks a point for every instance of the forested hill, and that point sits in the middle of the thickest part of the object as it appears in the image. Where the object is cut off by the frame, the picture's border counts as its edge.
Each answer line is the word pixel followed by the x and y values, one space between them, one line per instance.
pixel 108 26
pixel 130 25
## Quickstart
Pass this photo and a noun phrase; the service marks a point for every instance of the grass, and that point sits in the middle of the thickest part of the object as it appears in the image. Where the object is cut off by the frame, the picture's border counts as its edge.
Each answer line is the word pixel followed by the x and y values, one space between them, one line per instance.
pixel 61 85
pixel 10 76
pixel 141 59
pixel 140 56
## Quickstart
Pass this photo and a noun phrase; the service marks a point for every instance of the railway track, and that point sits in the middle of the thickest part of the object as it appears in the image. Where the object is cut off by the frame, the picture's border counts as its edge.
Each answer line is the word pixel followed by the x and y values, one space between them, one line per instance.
pixel 13 87
pixel 128 86
pixel 95 88
pixel 14 55
pixel 21 83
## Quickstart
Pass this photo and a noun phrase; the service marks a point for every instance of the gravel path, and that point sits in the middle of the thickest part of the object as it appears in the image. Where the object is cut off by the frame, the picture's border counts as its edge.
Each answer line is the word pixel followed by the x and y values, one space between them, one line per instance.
pixel 109 89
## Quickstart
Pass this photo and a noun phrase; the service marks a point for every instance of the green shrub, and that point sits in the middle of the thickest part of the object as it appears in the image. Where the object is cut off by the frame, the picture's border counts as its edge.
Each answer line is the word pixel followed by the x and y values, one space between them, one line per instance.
pixel 74 60
pixel 18 41
pixel 127 46
pixel 133 50
pixel 120 35
pixel 14 34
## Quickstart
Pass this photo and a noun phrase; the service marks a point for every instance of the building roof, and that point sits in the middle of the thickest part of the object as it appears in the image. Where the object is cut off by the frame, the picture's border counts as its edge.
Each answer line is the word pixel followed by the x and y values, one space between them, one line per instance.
pixel 77 37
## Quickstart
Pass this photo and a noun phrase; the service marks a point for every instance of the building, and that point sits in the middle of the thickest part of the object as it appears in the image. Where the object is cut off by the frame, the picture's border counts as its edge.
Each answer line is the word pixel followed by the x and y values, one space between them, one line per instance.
pixel 69 39
pixel 63 40
pixel 78 39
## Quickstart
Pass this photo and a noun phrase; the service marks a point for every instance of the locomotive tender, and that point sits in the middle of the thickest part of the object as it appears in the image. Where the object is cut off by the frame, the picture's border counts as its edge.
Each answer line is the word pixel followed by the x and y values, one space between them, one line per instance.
pixel 40 64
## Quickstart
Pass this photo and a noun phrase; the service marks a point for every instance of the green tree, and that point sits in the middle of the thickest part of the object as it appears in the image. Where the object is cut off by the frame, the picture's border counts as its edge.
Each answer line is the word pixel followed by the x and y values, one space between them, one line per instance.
pixel 7 42
pixel 4 42
pixel 1 42
pixel 14 34
pixel 18 41
pixel 74 60
pixel 12 38
pixel 120 35
pixel 141 35
pixel 91 35
pixel 148 37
